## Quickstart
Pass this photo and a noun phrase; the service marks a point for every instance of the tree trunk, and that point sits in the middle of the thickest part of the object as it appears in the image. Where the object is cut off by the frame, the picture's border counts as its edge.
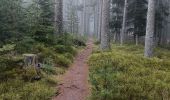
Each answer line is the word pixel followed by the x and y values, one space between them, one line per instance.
pixel 114 37
pixel 149 43
pixel 58 16
pixel 137 39
pixel 100 19
pixel 123 24
pixel 95 20
pixel 105 45
pixel 84 17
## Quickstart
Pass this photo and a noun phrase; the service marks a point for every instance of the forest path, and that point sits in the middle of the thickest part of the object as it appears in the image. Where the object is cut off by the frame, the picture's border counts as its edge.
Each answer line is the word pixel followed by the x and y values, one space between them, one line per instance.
pixel 74 84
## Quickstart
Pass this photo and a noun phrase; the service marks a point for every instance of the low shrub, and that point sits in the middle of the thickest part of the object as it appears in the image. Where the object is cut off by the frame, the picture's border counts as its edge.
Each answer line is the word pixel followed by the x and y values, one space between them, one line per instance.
pixel 59 54
pixel 61 60
pixel 43 52
pixel 29 74
pixel 60 70
pixel 55 54
pixel 69 56
pixel 37 91
pixel 7 48
pixel 25 45
pixel 49 69
pixel 69 39
pixel 65 49
pixel 97 42
pixel 124 74
pixel 50 79
pixel 79 42
pixel 9 67
pixel 19 90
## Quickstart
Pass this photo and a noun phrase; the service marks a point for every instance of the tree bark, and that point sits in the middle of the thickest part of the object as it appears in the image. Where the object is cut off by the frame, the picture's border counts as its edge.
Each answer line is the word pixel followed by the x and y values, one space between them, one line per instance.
pixel 100 19
pixel 149 42
pixel 84 17
pixel 123 24
pixel 105 45
pixel 58 10
pixel 137 39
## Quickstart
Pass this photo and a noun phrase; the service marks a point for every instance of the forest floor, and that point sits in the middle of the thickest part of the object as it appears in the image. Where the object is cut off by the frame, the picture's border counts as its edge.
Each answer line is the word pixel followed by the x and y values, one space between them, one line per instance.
pixel 74 83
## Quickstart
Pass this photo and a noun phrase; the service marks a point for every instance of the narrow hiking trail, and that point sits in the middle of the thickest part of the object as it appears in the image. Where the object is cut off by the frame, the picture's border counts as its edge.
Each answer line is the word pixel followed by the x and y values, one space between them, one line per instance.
pixel 74 84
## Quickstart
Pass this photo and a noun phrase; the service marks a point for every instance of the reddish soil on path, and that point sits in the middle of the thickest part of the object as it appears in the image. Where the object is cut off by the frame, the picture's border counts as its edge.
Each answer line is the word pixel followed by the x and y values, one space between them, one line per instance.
pixel 74 84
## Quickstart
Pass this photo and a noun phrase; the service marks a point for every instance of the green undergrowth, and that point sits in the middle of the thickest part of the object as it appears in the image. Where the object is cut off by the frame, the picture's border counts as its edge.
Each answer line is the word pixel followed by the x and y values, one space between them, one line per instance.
pixel 55 56
pixel 19 84
pixel 124 74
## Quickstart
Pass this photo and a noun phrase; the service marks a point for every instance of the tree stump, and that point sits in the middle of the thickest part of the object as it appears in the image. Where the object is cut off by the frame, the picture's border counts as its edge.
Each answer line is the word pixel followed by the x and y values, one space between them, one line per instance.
pixel 30 60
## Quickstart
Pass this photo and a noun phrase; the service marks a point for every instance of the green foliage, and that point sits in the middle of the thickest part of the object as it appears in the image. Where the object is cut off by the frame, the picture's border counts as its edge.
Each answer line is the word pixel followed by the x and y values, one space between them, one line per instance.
pixel 60 55
pixel 19 90
pixel 70 55
pixel 60 70
pixel 37 91
pixel 12 18
pixel 28 28
pixel 11 71
pixel 44 34
pixel 19 85
pixel 51 80
pixel 54 59
pixel 79 42
pixel 116 23
pixel 7 64
pixel 61 60
pixel 44 52
pixel 29 74
pixel 7 47
pixel 124 74
pixel 48 69
pixel 97 42
pixel 137 11
pixel 65 49
pixel 25 45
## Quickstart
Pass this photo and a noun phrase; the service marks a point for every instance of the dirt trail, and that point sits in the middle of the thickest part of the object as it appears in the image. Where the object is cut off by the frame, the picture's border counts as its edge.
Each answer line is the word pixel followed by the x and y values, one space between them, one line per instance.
pixel 74 84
